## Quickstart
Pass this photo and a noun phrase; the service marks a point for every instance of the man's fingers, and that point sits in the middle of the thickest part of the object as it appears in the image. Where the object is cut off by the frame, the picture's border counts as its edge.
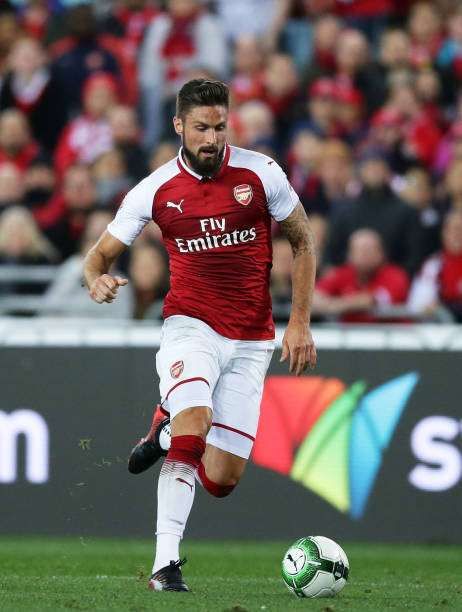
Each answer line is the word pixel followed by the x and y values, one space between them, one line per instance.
pixel 294 358
pixel 313 356
pixel 303 358
pixel 101 294
pixel 121 281
pixel 285 351
pixel 302 361
pixel 109 283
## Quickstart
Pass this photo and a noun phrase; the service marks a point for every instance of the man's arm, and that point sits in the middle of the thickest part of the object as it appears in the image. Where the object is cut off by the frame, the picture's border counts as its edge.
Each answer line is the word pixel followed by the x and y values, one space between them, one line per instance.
pixel 101 285
pixel 297 342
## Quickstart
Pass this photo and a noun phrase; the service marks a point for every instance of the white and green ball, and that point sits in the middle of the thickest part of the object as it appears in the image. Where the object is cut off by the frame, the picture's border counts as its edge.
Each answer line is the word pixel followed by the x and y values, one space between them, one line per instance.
pixel 315 567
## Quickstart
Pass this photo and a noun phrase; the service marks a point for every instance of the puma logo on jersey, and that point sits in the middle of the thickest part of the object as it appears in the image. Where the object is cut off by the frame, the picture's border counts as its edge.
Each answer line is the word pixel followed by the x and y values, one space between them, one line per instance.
pixel 173 205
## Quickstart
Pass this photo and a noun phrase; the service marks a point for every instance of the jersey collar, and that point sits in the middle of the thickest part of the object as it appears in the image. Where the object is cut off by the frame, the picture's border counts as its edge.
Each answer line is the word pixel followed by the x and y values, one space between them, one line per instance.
pixel 184 166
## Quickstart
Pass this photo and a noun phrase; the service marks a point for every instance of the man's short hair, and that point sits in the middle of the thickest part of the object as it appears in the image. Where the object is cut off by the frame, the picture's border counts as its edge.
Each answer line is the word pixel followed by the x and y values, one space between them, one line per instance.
pixel 201 92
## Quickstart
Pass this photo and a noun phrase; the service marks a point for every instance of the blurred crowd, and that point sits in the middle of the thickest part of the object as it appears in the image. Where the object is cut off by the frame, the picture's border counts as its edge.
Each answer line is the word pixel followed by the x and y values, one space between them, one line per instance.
pixel 360 101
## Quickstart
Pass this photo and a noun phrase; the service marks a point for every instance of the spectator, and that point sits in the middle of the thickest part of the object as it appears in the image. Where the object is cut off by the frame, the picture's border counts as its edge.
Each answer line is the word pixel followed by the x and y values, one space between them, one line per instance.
pixel 67 297
pixel 417 191
pixel 39 182
pixel 126 134
pixel 350 114
pixel 111 178
pixel 89 135
pixel 336 173
pixel 261 18
pixel 148 272
pixel 22 243
pixel 164 152
pixel 378 208
pixel 81 54
pixel 363 289
pixel 248 61
pixel 369 16
pixel 449 149
pixel 123 33
pixel 425 28
pixel 395 51
pixel 439 283
pixel 182 38
pixel 386 133
pixel 325 36
pixel 322 118
pixel 421 134
pixel 11 186
pixel 303 158
pixel 16 143
pixel 76 201
pixel 31 87
pixel 354 68
pixel 280 90
pixel 449 60
pixel 34 18
pixel 9 32
pixel 129 19
pixel 256 125
pixel 428 91
pixel 453 184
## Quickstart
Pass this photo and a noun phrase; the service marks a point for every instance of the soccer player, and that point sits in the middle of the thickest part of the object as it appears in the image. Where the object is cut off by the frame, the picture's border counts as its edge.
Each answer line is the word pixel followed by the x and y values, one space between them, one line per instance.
pixel 214 204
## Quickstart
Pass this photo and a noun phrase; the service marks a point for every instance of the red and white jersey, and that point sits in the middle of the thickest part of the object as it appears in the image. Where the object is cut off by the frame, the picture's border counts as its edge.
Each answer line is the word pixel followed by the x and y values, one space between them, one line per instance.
pixel 217 232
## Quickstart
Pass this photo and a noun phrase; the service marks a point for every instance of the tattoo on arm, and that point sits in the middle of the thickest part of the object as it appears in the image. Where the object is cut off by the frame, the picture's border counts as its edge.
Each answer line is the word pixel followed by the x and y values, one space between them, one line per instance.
pixel 297 230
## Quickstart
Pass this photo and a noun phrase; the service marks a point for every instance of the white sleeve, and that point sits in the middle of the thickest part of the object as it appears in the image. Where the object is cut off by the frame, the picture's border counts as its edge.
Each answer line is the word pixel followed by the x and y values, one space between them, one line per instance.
pixel 280 194
pixel 133 214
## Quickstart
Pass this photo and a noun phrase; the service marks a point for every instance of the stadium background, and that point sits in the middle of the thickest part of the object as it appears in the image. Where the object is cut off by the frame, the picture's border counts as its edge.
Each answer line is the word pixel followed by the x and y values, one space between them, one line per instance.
pixel 359 101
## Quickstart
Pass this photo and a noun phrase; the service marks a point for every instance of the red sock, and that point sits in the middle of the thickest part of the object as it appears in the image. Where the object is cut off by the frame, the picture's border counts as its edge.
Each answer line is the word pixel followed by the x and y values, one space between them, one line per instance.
pixel 186 449
pixel 215 489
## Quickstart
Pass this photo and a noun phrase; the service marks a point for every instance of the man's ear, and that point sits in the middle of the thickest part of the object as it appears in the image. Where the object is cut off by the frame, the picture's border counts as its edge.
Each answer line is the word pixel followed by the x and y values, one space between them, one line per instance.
pixel 178 125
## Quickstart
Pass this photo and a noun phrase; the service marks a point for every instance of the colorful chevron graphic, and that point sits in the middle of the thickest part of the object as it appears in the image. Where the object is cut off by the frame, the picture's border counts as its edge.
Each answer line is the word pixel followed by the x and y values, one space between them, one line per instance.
pixel 329 438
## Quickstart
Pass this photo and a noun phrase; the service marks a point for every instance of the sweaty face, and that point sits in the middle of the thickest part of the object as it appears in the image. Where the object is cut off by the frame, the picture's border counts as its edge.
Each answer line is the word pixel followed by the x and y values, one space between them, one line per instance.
pixel 203 134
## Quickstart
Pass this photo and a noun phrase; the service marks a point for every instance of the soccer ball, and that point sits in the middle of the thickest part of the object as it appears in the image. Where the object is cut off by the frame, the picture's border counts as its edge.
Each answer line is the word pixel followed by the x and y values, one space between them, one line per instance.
pixel 315 567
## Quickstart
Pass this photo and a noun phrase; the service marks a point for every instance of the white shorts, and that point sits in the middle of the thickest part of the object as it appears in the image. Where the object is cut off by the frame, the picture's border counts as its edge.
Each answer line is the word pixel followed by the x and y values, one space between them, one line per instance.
pixel 198 367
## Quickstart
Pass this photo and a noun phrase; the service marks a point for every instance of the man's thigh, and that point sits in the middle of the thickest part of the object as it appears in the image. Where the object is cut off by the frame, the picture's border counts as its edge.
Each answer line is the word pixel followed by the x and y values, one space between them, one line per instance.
pixel 188 365
pixel 236 399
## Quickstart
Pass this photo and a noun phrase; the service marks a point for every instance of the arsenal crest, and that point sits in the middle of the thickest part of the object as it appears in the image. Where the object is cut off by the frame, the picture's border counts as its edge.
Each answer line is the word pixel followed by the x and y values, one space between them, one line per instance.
pixel 176 369
pixel 243 194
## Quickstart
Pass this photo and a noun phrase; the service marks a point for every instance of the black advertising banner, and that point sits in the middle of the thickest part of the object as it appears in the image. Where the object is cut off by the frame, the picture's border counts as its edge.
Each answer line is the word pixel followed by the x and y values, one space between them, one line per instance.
pixel 366 447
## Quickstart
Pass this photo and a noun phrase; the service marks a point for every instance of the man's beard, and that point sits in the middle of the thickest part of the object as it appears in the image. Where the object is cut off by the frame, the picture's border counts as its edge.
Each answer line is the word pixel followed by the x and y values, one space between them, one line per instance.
pixel 207 166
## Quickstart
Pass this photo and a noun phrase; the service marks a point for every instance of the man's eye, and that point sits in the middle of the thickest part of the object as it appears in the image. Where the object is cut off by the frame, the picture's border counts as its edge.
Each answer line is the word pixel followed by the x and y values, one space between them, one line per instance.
pixel 201 128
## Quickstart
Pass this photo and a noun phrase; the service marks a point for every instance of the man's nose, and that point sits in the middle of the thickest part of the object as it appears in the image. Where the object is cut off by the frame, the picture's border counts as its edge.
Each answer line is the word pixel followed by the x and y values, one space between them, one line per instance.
pixel 211 136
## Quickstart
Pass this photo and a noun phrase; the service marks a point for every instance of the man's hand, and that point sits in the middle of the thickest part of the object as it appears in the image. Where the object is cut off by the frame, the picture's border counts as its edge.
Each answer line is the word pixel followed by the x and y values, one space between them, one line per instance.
pixel 104 288
pixel 299 346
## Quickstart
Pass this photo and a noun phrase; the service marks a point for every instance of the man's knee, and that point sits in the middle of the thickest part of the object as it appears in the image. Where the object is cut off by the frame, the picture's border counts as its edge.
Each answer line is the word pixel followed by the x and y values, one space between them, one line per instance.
pixel 192 421
pixel 219 487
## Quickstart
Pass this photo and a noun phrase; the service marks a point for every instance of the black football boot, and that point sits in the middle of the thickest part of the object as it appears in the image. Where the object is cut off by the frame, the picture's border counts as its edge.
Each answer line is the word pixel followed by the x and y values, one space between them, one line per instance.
pixel 168 578
pixel 148 450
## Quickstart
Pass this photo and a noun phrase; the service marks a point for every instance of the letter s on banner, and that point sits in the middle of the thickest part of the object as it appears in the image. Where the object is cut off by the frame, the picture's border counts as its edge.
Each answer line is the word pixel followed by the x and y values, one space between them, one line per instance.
pixel 430 443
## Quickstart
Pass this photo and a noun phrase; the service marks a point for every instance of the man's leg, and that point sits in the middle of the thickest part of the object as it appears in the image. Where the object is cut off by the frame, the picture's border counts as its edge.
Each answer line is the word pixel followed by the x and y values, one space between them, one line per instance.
pixel 176 485
pixel 220 471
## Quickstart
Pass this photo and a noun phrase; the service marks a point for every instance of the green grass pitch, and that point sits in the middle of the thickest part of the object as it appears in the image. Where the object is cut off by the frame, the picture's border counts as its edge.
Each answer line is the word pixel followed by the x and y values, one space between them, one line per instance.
pixel 93 574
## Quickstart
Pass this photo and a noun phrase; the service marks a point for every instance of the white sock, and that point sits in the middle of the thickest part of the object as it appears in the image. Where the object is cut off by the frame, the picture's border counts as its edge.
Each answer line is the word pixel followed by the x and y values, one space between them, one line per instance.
pixel 175 496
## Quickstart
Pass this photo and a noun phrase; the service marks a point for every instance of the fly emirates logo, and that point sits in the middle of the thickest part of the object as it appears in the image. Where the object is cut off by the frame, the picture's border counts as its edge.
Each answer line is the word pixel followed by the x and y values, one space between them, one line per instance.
pixel 219 237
